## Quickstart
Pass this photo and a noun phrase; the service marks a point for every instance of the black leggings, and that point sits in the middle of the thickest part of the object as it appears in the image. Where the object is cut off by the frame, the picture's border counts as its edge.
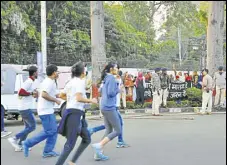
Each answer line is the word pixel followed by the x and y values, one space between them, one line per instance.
pixel 80 129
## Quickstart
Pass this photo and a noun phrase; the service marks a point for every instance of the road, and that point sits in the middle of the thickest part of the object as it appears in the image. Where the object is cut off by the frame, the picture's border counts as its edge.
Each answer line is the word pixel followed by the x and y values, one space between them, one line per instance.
pixel 163 141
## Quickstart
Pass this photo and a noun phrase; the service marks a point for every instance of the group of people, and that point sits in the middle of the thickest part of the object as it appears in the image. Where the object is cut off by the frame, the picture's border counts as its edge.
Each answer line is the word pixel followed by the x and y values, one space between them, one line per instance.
pixel 73 122
pixel 160 82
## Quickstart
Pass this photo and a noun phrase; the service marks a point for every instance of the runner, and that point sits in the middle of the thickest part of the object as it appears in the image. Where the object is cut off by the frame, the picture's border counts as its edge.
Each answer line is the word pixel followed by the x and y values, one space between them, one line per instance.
pixel 109 92
pixel 121 143
pixel 73 122
pixel 47 98
pixel 26 97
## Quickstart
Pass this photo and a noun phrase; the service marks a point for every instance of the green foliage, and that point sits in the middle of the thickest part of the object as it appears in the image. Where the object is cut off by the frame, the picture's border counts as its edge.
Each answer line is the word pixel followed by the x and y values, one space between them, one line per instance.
pixel 130 105
pixel 194 94
pixel 130 38
pixel 171 104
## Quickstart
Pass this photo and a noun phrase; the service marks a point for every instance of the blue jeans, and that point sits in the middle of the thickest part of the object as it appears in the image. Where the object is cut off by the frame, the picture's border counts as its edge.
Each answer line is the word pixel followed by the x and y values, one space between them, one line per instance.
pixel 120 137
pixel 29 123
pixel 2 118
pixel 102 127
pixel 49 133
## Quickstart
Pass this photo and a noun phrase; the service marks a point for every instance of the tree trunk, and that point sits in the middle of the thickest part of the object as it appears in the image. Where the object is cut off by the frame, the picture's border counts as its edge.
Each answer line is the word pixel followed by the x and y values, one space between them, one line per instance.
pixel 215 32
pixel 98 52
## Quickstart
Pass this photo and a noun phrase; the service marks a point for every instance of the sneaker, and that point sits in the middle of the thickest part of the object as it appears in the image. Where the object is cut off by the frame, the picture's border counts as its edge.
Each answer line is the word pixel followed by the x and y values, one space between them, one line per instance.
pixel 25 149
pixel 201 113
pixel 208 113
pixel 5 133
pixel 100 157
pixel 50 154
pixel 122 145
pixel 21 149
pixel 13 142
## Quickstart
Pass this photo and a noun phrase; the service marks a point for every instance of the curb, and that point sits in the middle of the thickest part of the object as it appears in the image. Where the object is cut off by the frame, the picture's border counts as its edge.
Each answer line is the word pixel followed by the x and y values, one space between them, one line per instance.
pixel 186 111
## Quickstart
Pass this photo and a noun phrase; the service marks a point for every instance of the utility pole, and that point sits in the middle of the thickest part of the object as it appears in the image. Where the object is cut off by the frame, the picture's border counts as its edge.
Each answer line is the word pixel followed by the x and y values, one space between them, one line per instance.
pixel 98 52
pixel 215 57
pixel 179 43
pixel 43 36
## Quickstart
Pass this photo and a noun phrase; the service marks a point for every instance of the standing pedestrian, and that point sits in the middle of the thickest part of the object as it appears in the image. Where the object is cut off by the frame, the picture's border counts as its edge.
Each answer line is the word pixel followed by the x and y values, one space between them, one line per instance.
pixel 207 93
pixel 73 123
pixel 220 86
pixel 26 94
pixel 188 79
pixel 88 85
pixel 111 119
pixel 165 82
pixel 156 89
pixel 195 78
pixel 140 89
pixel 122 95
pixel 47 99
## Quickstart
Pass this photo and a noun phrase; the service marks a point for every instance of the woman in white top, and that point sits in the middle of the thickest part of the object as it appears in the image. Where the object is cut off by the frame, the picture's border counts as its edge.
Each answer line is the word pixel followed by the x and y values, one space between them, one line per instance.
pixel 73 122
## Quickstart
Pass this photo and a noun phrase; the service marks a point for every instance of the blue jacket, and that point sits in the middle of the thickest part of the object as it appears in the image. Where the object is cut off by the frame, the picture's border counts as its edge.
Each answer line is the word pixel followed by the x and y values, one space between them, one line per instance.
pixel 109 93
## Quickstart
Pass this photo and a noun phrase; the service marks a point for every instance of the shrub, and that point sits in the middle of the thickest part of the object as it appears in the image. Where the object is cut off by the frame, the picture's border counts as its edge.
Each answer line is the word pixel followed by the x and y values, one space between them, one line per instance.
pixel 185 103
pixel 171 104
pixel 194 94
pixel 196 103
pixel 147 105
pixel 130 104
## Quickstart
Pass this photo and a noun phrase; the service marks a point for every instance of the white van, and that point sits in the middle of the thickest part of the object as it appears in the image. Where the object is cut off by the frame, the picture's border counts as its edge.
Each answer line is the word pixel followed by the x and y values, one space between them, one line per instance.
pixel 13 79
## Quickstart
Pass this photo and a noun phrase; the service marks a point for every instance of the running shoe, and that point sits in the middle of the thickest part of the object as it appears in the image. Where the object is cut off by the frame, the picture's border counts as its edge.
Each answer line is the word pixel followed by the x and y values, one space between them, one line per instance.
pixel 13 142
pixel 50 154
pixel 122 145
pixel 100 157
pixel 21 149
pixel 5 133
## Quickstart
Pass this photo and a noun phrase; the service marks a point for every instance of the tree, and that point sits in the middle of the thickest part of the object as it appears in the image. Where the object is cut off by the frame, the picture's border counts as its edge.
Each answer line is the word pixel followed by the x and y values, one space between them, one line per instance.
pixel 215 36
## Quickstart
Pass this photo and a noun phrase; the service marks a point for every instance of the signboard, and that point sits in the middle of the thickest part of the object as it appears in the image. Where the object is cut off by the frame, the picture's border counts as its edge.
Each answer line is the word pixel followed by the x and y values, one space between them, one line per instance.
pixel 148 90
pixel 177 90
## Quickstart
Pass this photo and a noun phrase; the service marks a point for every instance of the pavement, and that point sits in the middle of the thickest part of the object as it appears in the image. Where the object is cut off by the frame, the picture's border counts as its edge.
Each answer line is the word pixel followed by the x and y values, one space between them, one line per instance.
pixel 163 140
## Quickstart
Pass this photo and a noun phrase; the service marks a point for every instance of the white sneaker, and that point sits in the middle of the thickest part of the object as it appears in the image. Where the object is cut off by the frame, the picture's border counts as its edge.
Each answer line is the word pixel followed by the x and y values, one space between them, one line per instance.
pixel 20 149
pixel 5 133
pixel 13 142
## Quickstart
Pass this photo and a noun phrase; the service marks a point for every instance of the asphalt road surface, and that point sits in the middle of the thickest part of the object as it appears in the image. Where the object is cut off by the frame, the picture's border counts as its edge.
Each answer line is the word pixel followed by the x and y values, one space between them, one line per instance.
pixel 165 140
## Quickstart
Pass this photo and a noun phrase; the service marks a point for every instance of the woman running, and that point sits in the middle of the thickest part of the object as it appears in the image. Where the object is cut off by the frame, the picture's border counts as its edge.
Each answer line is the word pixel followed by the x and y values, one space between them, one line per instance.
pixel 73 122
pixel 112 122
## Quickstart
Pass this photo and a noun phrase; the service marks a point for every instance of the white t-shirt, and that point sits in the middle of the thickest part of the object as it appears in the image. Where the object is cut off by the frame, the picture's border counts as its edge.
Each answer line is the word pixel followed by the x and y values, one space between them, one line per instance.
pixel 75 85
pixel 119 81
pixel 26 102
pixel 46 107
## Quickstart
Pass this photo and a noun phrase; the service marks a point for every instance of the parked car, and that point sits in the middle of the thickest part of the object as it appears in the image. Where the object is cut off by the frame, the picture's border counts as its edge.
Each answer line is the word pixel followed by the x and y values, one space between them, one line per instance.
pixel 13 79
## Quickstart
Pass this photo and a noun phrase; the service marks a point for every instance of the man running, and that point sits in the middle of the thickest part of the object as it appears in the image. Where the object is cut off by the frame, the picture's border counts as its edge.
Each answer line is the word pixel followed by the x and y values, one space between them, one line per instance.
pixel 47 99
pixel 26 97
